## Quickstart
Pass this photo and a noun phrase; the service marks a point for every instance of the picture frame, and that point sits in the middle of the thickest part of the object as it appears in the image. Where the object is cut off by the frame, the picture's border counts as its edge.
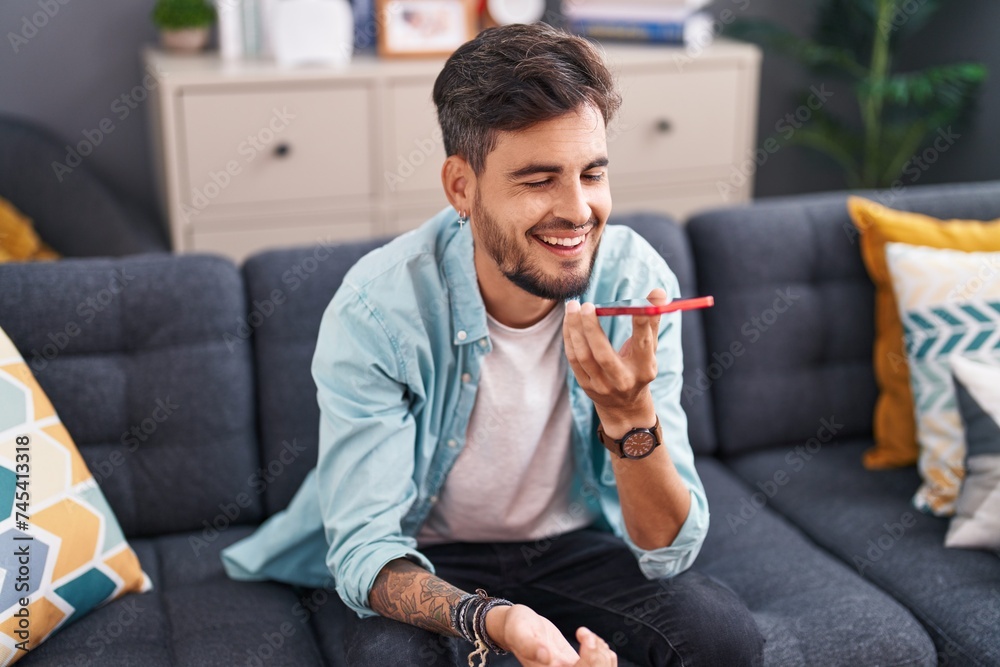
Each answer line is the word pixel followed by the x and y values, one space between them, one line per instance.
pixel 423 28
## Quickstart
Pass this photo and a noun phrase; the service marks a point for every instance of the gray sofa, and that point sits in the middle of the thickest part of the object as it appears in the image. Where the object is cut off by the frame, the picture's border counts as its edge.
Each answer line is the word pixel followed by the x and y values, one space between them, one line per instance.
pixel 779 394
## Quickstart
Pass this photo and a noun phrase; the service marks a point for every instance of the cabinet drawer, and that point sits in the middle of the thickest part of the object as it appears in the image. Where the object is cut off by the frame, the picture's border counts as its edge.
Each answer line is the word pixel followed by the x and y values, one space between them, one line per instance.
pixel 274 144
pixel 239 243
pixel 674 121
pixel 414 151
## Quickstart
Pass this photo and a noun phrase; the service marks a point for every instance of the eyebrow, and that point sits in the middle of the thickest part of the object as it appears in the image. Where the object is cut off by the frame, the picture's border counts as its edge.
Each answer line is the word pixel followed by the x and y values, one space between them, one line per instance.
pixel 539 168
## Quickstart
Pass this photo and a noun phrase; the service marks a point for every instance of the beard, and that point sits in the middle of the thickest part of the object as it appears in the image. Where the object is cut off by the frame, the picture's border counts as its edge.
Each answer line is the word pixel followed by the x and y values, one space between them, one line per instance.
pixel 515 262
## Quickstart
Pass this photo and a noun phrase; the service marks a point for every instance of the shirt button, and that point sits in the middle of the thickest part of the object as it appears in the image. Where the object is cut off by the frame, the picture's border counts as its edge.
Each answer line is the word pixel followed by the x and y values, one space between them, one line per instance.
pixel 462 335
pixel 452 443
pixel 482 343
pixel 433 499
pixel 466 377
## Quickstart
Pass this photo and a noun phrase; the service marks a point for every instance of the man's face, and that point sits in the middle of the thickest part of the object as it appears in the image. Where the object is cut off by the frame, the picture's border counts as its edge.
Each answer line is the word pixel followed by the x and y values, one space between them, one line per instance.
pixel 541 203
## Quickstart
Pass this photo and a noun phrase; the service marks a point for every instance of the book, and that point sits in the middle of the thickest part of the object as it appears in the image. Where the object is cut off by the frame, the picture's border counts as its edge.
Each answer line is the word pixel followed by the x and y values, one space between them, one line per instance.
pixel 659 24
pixel 691 5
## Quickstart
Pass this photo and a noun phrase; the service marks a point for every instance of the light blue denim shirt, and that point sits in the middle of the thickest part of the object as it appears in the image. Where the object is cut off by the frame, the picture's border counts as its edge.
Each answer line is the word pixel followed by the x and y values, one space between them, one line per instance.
pixel 396 369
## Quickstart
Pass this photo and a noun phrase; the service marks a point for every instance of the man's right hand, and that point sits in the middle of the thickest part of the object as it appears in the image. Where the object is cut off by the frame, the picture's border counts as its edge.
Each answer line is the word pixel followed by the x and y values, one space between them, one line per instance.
pixel 536 642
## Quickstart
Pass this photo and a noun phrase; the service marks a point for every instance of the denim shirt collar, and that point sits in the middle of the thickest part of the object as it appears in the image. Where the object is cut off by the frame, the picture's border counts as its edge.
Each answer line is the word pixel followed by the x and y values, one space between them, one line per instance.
pixel 468 312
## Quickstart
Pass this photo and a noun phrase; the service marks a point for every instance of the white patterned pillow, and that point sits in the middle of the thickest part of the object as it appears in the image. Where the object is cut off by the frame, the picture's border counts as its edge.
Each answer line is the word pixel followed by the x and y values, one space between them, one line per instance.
pixel 949 303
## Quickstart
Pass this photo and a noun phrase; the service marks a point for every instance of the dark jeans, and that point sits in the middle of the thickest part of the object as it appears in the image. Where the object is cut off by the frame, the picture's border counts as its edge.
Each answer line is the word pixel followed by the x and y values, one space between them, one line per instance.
pixel 586 578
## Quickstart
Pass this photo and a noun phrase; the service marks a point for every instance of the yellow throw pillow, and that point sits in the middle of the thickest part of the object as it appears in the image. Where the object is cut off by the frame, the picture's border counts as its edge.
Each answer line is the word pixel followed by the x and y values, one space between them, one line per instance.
pixel 895 422
pixel 18 240
pixel 63 552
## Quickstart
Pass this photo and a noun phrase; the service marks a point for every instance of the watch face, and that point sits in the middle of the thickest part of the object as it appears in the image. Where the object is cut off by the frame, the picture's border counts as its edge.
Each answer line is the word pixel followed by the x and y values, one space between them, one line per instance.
pixel 638 444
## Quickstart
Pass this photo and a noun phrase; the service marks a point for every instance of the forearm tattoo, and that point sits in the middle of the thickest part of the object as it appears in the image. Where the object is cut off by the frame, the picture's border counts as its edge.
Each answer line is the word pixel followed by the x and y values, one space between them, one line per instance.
pixel 406 592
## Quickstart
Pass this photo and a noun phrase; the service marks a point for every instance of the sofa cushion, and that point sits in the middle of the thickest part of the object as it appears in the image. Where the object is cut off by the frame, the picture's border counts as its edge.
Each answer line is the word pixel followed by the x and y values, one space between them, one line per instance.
pixel 947 311
pixel 790 337
pixel 195 616
pixel 812 609
pixel 132 353
pixel 866 519
pixel 976 524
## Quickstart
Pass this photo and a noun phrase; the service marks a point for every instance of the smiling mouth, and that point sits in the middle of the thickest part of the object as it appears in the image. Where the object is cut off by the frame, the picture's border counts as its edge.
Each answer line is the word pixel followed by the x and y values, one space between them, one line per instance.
pixel 569 242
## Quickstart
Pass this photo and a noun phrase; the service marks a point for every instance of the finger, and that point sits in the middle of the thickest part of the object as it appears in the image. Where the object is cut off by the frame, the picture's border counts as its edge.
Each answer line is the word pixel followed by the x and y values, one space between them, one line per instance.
pixel 594 652
pixel 646 328
pixel 571 316
pixel 603 352
pixel 573 328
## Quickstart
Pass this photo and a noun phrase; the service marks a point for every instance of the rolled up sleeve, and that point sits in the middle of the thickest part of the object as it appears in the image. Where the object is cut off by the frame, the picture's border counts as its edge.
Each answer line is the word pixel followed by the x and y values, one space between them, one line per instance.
pixel 366 447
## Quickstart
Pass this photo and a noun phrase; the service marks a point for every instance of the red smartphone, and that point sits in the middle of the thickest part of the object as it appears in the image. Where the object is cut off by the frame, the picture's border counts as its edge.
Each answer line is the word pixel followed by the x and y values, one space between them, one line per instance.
pixel 644 307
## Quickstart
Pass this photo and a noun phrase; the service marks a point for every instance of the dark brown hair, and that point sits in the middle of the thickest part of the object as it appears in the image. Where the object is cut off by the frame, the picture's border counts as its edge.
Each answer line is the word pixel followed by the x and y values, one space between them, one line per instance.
pixel 512 77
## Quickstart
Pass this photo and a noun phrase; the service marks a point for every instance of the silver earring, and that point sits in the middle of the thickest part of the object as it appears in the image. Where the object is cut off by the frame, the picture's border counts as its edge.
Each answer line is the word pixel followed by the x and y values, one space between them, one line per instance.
pixel 462 218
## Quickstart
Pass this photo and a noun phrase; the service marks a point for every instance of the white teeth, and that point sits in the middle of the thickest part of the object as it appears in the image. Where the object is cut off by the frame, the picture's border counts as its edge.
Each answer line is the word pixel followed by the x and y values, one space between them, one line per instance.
pixel 569 243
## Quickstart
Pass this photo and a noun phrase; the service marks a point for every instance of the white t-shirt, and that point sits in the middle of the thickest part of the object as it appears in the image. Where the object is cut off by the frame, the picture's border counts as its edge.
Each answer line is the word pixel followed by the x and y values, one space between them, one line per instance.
pixel 513 481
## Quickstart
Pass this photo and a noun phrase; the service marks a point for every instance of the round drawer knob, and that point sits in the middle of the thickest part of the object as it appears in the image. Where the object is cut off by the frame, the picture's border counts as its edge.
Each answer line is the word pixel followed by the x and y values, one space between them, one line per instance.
pixel 282 149
pixel 663 126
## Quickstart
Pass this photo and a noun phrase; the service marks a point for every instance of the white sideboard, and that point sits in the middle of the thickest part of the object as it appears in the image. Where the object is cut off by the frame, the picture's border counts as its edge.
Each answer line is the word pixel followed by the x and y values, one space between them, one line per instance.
pixel 251 156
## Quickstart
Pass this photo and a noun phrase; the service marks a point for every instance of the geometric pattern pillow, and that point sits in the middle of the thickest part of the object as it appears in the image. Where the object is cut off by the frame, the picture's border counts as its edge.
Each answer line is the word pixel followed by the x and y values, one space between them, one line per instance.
pixel 976 524
pixel 62 551
pixel 949 305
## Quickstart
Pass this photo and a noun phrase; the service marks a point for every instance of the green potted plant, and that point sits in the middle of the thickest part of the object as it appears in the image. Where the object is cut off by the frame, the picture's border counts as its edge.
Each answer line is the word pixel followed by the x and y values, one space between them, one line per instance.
pixel 183 24
pixel 898 113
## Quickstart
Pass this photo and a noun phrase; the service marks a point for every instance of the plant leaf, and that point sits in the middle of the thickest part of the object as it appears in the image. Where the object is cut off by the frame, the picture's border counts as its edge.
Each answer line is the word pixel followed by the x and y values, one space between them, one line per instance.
pixel 808 52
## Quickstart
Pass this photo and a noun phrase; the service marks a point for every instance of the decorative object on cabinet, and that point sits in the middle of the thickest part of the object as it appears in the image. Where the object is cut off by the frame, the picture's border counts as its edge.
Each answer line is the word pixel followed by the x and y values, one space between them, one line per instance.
pixel 423 27
pixel 183 24
pixel 311 32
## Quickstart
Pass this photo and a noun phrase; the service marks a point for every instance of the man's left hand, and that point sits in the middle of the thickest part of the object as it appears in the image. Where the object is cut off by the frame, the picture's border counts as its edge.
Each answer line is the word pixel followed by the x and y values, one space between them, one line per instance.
pixel 617 382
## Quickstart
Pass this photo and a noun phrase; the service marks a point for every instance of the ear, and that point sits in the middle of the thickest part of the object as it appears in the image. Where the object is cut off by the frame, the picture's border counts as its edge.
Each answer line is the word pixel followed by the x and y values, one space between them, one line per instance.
pixel 459 183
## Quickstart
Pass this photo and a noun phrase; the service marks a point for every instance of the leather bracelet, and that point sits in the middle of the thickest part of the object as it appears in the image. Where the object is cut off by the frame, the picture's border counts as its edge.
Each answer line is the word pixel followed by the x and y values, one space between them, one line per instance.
pixel 469 618
pixel 458 617
pixel 480 625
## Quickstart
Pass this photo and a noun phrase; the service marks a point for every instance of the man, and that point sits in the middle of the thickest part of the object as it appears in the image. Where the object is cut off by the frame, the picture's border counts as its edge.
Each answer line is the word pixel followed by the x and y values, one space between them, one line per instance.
pixel 475 414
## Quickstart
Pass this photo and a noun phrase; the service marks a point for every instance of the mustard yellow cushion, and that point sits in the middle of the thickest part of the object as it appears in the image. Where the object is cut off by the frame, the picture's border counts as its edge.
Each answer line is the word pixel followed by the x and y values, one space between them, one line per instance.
pixel 18 240
pixel 894 421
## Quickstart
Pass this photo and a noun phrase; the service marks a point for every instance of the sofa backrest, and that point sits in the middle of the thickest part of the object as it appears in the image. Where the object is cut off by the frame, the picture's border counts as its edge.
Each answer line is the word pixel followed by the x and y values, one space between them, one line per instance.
pixel 133 355
pixel 790 337
pixel 290 289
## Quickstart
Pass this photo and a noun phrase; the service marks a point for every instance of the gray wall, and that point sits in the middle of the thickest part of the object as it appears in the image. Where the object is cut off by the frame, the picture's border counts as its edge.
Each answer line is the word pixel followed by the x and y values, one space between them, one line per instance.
pixel 69 74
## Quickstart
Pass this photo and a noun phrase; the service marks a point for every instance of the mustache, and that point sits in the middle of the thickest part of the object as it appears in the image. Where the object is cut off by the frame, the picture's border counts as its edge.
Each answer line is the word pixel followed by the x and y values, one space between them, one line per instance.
pixel 566 226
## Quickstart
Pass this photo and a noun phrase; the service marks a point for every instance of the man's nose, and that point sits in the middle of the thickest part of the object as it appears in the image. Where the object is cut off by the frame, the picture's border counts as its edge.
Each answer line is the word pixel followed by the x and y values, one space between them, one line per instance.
pixel 572 205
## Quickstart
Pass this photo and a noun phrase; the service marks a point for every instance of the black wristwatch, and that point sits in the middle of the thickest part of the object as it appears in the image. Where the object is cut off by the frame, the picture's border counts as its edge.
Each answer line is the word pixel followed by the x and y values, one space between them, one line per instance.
pixel 636 444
